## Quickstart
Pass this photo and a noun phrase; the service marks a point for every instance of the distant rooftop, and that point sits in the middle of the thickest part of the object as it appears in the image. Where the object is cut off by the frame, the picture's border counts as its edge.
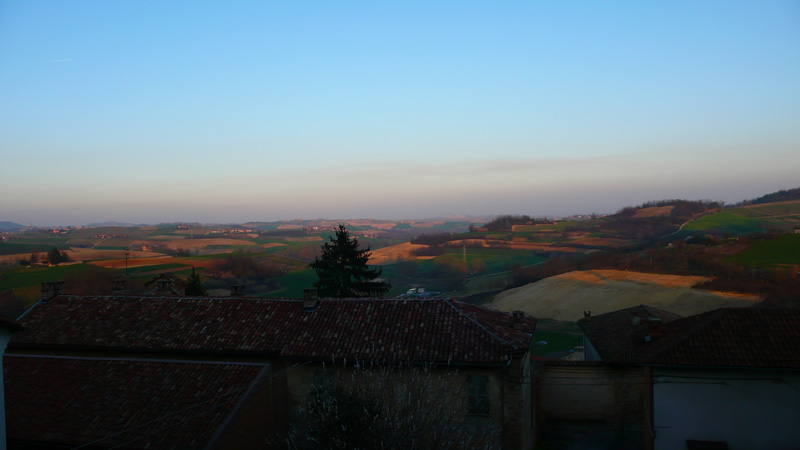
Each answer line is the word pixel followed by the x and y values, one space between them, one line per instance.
pixel 728 337
pixel 610 333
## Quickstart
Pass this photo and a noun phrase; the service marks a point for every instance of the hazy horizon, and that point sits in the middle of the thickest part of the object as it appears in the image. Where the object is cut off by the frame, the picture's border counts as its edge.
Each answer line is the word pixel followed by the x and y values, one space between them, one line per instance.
pixel 133 220
pixel 148 112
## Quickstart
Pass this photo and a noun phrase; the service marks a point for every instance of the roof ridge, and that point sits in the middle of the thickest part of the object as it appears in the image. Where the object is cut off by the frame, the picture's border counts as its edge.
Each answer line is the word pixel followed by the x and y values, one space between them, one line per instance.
pixel 476 322
pixel 702 321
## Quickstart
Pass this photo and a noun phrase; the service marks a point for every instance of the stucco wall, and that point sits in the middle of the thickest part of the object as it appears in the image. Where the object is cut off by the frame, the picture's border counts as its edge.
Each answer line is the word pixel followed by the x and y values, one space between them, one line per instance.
pixel 576 400
pixel 748 409
pixel 576 393
pixel 507 398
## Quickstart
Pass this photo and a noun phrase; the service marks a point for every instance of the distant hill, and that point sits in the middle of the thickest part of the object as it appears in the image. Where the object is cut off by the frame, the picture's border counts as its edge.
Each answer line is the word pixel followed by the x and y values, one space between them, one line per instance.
pixel 113 224
pixel 651 220
pixel 753 218
pixel 780 196
pixel 10 226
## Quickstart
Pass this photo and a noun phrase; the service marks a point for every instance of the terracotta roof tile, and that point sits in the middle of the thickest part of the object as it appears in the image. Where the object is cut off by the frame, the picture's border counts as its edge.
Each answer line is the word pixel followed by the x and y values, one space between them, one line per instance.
pixel 71 401
pixel 727 337
pixel 431 330
pixel 610 333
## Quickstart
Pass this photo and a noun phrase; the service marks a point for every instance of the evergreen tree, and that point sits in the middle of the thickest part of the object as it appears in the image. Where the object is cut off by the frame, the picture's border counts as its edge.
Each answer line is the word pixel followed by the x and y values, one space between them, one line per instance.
pixel 55 256
pixel 342 270
pixel 195 286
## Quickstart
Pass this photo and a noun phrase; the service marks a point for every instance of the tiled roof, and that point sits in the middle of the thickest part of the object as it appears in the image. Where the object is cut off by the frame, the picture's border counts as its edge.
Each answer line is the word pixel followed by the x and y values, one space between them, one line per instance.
pixel 132 403
pixel 728 337
pixel 610 333
pixel 436 330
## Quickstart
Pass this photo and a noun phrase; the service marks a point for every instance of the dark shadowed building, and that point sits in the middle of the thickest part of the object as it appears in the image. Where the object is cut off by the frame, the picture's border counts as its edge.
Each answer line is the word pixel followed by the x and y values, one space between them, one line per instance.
pixel 234 357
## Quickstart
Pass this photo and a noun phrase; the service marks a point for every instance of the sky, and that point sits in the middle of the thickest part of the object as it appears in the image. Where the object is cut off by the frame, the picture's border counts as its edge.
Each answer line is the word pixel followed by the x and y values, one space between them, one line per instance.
pixel 152 111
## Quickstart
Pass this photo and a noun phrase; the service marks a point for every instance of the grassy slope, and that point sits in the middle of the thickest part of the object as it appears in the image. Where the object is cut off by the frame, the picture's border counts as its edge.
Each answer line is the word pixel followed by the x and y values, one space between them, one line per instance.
pixel 783 249
pixel 749 219
pixel 565 299
pixel 726 222
pixel 22 277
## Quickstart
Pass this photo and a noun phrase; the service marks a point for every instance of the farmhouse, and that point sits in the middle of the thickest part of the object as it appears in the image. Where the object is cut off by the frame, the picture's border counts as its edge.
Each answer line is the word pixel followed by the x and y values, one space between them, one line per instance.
pixel 146 368
pixel 728 378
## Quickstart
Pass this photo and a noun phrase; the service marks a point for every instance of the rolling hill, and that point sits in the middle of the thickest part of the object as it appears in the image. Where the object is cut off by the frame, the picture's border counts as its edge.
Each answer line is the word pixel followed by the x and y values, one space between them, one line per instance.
pixel 565 297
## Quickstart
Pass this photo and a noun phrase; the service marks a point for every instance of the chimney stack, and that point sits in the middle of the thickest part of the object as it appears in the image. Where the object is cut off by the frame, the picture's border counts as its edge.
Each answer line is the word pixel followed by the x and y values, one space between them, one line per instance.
pixel 51 290
pixel 587 315
pixel 120 287
pixel 519 320
pixel 237 291
pixel 310 299
pixel 656 329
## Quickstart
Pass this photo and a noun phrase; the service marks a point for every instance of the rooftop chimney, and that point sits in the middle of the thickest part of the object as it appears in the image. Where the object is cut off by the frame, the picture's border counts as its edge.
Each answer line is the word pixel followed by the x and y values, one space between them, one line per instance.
pixel 310 299
pixel 519 320
pixel 587 315
pixel 51 289
pixel 655 329
pixel 237 291
pixel 120 287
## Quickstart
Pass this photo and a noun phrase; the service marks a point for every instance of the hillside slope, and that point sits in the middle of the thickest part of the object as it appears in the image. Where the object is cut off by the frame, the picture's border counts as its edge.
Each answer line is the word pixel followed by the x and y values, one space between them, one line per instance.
pixel 565 297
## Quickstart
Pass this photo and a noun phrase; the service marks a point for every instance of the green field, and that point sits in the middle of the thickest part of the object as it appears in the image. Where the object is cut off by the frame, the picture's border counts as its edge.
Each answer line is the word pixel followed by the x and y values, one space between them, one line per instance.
pixel 21 277
pixel 750 219
pixel 431 273
pixel 451 226
pixel 223 248
pixel 14 248
pixel 556 342
pixel 294 282
pixel 783 249
pixel 560 336
pixel 770 209
pixel 220 255
pixel 480 285
pixel 145 269
pixel 497 259
pixel 726 222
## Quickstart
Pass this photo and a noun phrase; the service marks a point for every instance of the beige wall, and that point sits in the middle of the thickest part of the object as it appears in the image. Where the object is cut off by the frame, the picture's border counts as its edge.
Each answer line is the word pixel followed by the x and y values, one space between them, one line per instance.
pixel 608 397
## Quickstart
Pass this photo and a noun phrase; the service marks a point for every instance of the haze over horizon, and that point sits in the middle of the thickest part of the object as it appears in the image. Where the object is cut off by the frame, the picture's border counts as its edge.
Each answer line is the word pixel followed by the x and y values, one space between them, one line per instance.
pixel 147 112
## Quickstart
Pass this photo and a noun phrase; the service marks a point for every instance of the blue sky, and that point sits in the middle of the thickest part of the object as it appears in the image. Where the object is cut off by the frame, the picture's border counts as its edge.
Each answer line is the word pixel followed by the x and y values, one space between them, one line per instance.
pixel 236 111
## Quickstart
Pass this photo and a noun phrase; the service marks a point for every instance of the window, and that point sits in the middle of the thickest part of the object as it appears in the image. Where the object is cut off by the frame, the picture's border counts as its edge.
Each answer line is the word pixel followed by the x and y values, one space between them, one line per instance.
pixel 478 394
